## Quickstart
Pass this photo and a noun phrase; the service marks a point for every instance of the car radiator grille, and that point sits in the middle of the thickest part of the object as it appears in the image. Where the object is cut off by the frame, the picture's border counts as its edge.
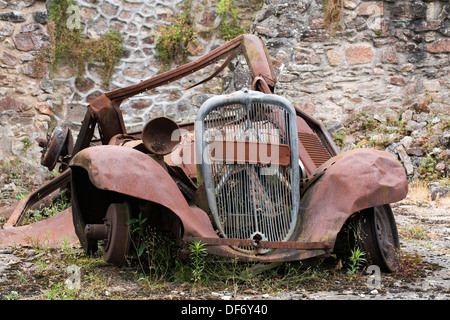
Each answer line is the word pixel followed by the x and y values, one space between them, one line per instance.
pixel 252 193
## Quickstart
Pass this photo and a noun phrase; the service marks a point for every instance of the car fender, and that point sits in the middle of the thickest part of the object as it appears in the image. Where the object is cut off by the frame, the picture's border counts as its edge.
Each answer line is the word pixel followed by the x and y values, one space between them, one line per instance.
pixel 130 172
pixel 347 183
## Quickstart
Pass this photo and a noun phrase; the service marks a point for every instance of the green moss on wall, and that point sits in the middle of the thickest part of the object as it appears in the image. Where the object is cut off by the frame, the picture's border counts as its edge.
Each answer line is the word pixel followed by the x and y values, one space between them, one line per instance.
pixel 70 47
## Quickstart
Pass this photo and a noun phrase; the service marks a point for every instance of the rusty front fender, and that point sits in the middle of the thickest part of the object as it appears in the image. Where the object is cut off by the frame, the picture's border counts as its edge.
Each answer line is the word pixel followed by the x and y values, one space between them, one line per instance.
pixel 117 171
pixel 353 181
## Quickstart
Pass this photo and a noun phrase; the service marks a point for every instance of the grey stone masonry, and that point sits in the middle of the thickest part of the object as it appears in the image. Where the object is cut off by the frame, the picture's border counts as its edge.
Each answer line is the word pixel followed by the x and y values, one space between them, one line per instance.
pixel 390 59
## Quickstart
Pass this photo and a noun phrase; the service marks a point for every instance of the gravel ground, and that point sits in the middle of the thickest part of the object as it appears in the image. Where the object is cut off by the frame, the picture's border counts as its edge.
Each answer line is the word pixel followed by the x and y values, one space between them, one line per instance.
pixel 424 228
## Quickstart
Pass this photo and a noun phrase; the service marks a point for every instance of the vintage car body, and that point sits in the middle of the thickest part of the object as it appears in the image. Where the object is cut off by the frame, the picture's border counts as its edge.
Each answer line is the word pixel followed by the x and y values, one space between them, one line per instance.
pixel 253 177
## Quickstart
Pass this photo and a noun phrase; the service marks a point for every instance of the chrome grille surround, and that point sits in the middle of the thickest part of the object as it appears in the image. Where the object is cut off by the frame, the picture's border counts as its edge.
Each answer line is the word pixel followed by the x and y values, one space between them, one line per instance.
pixel 249 199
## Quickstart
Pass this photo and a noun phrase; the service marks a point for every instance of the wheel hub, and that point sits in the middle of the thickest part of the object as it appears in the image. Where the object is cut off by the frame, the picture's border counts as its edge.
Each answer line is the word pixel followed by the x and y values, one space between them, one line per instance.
pixel 114 232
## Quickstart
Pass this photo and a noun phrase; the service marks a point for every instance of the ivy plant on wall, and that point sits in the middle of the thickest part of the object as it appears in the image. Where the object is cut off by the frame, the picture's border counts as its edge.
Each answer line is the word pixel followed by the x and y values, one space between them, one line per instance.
pixel 229 24
pixel 70 47
pixel 173 39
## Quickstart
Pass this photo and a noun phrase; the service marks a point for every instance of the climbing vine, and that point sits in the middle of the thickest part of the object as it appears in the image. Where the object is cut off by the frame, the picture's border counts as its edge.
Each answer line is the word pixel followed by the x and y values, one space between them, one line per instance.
pixel 229 24
pixel 173 39
pixel 70 47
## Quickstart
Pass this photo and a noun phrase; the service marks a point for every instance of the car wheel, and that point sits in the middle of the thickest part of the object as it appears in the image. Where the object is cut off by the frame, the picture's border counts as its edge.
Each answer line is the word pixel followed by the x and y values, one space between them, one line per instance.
pixel 378 237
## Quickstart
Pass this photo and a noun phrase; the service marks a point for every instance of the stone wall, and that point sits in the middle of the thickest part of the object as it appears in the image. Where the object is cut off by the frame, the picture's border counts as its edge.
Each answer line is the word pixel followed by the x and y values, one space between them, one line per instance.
pixel 32 103
pixel 385 55
pixel 388 58
pixel 22 94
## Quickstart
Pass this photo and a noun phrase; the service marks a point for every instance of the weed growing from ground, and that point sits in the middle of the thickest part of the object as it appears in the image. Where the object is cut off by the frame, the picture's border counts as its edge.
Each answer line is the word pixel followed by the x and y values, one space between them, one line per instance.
pixel 155 252
pixel 357 260
pixel 415 232
pixel 427 170
pixel 197 256
pixel 408 263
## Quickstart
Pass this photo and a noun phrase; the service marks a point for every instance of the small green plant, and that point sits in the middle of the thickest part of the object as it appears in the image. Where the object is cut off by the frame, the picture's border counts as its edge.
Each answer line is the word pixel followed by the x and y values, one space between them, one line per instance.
pixel 427 169
pixel 338 138
pixel 42 264
pixel 138 231
pixel 155 251
pixel 21 277
pixel 229 24
pixel 13 295
pixel 67 247
pixel 197 257
pixel 366 131
pixel 413 232
pixel 446 124
pixel 349 251
pixel 408 263
pixel 26 143
pixel 20 196
pixel 378 32
pixel 59 291
pixel 173 40
pixel 357 260
pixel 364 121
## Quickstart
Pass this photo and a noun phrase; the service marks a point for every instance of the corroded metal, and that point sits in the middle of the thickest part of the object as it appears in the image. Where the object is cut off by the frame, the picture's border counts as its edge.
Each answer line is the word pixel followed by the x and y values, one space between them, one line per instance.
pixel 156 172
pixel 60 145
pixel 52 231
pixel 158 135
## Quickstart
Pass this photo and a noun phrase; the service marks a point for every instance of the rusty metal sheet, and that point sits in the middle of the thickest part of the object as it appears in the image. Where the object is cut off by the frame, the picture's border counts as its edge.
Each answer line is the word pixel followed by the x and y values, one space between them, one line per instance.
pixel 258 59
pixel 254 51
pixel 108 114
pixel 109 169
pixel 51 232
pixel 350 182
pixel 314 148
pixel 27 203
pixel 265 244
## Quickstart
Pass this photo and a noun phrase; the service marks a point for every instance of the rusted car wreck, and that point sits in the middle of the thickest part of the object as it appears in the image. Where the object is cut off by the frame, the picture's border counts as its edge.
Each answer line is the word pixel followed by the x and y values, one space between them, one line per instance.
pixel 253 177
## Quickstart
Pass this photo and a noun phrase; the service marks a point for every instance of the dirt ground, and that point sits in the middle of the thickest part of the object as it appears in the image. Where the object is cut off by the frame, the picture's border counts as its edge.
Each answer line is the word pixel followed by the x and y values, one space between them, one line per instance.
pixel 424 229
